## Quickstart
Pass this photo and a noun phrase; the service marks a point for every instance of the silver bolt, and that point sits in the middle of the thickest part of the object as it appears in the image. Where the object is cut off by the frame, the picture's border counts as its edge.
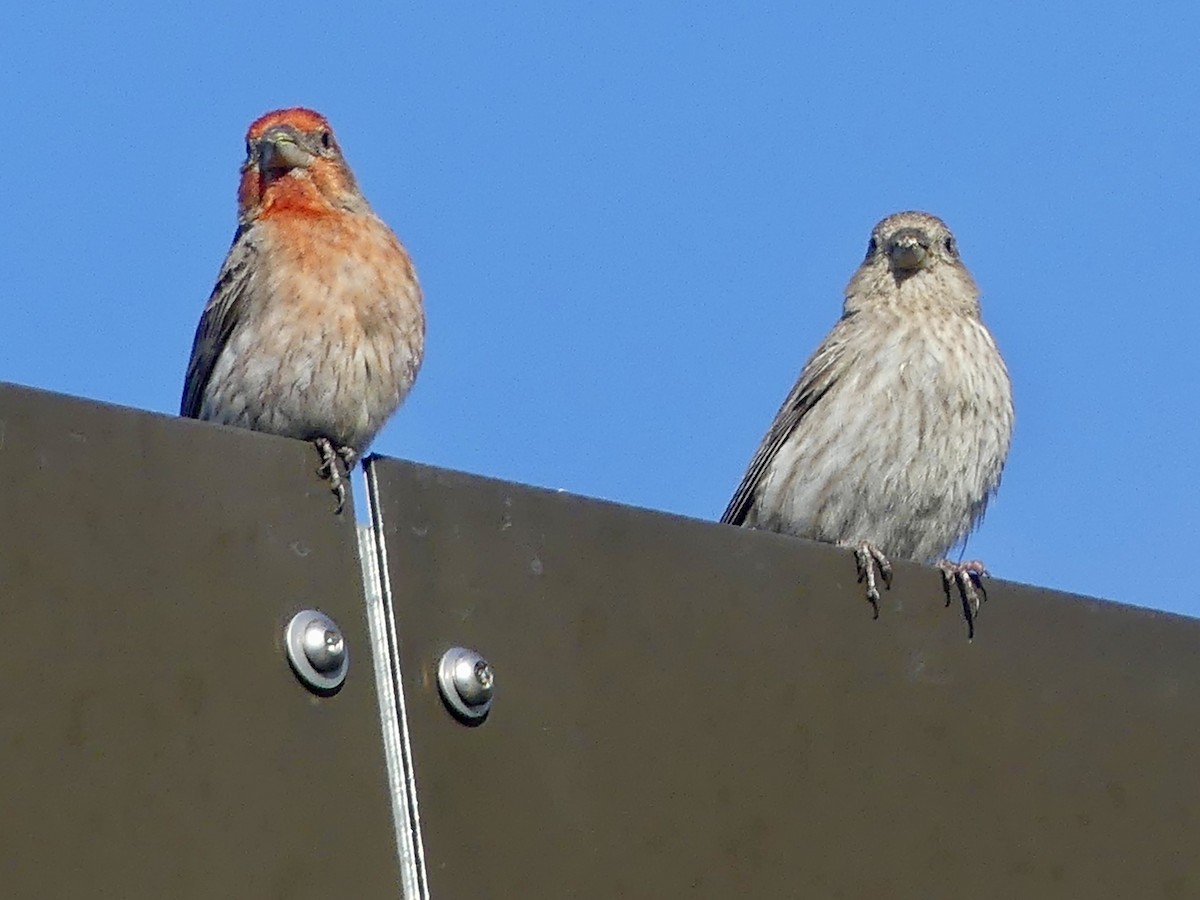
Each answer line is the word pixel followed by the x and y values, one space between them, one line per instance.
pixel 317 650
pixel 467 682
pixel 323 646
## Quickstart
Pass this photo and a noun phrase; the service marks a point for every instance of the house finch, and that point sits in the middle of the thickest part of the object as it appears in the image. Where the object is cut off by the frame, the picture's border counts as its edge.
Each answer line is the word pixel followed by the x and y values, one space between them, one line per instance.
pixel 315 328
pixel 895 434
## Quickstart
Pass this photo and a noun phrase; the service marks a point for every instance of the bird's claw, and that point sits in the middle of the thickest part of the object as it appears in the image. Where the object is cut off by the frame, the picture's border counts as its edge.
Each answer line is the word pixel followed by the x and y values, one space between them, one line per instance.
pixel 967 577
pixel 866 557
pixel 329 469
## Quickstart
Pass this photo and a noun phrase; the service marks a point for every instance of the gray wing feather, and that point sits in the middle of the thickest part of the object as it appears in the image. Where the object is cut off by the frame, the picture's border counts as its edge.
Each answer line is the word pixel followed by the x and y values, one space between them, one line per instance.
pixel 817 378
pixel 225 308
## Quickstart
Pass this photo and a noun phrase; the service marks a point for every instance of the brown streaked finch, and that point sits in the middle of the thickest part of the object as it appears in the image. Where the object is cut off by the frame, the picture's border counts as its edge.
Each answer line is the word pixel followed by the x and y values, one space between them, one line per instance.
pixel 315 329
pixel 894 437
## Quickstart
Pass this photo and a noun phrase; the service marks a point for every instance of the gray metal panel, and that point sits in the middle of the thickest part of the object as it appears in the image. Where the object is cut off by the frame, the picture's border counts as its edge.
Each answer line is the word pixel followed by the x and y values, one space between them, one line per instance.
pixel 153 740
pixel 685 709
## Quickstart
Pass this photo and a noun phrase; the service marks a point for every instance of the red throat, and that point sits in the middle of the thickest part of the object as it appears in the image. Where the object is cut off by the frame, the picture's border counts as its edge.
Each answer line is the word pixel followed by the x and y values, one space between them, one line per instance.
pixel 309 194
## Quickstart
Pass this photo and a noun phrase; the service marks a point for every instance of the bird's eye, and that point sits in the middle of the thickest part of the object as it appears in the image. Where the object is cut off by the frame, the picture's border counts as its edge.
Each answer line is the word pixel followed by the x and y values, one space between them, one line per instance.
pixel 249 149
pixel 951 247
pixel 327 140
pixel 872 246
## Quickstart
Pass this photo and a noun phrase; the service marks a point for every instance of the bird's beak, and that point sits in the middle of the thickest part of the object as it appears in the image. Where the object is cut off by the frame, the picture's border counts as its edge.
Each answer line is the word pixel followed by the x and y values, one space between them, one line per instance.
pixel 908 249
pixel 278 149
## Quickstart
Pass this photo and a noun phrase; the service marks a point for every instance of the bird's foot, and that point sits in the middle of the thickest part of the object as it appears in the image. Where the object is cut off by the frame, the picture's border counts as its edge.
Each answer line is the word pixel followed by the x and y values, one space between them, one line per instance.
pixel 349 457
pixel 329 468
pixel 866 557
pixel 967 577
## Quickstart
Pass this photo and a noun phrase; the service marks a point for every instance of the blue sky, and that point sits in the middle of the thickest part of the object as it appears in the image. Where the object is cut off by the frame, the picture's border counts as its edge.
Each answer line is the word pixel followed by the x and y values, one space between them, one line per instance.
pixel 633 223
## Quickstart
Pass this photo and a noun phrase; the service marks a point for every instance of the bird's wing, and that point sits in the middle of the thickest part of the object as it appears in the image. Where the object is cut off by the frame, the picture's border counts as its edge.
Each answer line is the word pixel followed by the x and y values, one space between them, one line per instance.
pixel 225 307
pixel 819 375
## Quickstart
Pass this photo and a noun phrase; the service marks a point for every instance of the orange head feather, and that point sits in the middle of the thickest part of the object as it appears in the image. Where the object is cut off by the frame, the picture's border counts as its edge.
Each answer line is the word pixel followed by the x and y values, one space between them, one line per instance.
pixel 294 166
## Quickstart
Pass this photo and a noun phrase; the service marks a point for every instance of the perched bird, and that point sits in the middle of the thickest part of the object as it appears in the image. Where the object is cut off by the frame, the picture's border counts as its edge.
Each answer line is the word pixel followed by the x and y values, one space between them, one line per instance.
pixel 894 436
pixel 315 329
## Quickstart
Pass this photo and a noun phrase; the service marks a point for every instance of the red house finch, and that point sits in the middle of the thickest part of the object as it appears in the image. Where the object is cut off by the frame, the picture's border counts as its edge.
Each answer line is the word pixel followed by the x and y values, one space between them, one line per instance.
pixel 315 328
pixel 894 437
